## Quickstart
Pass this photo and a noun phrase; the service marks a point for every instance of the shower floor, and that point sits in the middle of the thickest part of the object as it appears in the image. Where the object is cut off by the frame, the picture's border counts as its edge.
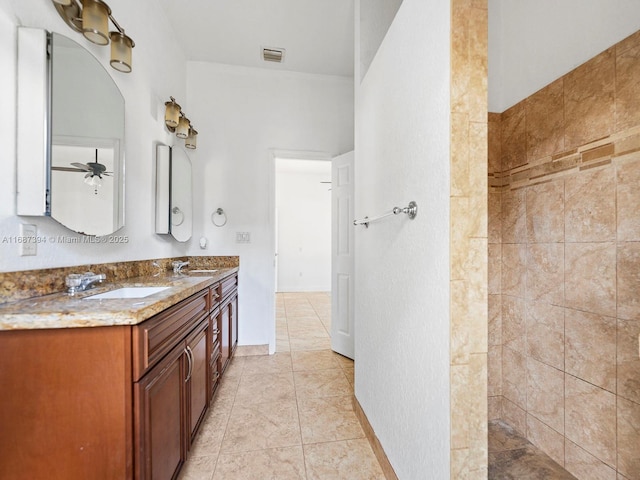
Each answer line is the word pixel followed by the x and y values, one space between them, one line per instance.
pixel 513 457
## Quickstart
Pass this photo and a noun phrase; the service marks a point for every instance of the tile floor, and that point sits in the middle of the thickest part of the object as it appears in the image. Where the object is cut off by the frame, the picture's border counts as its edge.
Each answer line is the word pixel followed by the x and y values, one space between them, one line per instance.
pixel 512 457
pixel 288 415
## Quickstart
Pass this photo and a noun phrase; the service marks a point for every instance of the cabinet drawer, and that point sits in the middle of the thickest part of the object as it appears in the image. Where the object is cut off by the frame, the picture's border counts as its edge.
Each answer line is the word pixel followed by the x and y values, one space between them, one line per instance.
pixel 154 338
pixel 229 285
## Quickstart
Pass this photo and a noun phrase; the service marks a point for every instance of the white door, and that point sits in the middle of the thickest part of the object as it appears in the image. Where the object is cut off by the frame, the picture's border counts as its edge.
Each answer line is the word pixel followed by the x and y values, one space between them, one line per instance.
pixel 342 255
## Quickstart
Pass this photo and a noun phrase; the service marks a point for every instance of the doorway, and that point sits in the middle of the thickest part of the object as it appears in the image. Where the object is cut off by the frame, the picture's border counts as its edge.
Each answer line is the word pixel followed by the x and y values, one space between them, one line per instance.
pixel 313 240
pixel 303 225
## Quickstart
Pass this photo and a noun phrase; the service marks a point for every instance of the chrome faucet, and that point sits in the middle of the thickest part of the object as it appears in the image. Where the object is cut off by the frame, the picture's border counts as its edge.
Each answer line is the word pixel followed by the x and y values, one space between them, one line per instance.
pixel 79 282
pixel 177 266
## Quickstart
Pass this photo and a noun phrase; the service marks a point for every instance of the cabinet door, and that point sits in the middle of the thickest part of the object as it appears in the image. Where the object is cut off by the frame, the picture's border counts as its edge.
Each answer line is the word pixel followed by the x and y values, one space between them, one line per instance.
pixel 215 353
pixel 224 323
pixel 198 375
pixel 159 418
pixel 234 323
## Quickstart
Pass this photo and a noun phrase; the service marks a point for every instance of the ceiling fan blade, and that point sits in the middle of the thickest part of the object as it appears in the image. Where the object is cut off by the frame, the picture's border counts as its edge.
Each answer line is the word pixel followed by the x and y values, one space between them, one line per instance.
pixel 67 169
pixel 81 166
pixel 88 175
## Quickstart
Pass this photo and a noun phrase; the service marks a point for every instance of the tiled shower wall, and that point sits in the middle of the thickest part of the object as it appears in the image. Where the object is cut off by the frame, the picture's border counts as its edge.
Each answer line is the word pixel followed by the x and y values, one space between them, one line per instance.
pixel 468 348
pixel 564 266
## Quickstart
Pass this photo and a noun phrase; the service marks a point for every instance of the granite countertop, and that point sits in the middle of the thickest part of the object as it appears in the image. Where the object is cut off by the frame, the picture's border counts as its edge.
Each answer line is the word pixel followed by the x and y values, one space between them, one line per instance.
pixel 60 310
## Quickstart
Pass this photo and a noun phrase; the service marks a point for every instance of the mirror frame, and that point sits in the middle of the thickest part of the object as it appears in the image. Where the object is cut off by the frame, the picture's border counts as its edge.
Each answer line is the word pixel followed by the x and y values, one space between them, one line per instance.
pixel 166 203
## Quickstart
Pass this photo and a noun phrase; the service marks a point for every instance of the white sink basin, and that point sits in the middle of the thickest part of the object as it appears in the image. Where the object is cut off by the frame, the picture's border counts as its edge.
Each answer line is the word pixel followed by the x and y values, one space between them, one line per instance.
pixel 202 271
pixel 128 292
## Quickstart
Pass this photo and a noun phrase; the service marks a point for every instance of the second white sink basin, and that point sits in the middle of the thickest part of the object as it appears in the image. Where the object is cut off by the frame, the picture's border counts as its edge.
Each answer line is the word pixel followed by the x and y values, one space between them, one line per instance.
pixel 128 292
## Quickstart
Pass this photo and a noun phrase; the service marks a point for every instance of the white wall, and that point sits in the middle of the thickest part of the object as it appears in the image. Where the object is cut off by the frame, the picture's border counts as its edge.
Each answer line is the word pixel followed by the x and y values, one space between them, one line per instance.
pixel 303 206
pixel 532 44
pixel 159 70
pixel 402 266
pixel 375 18
pixel 243 115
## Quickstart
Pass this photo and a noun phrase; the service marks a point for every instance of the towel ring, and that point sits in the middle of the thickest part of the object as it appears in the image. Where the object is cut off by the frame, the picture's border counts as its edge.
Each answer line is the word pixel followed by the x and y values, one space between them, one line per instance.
pixel 220 212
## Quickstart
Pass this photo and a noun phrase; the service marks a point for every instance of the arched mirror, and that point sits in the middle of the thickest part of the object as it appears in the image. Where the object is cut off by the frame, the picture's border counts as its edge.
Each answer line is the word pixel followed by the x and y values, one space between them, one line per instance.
pixel 87 140
pixel 70 125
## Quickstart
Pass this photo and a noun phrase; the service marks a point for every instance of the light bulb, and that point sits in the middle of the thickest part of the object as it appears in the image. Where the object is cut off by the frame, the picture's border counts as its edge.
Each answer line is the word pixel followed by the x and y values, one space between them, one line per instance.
pixel 183 127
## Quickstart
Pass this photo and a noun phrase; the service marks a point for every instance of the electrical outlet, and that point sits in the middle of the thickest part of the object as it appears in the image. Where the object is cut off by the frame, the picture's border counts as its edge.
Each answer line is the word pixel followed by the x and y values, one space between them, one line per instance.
pixel 27 244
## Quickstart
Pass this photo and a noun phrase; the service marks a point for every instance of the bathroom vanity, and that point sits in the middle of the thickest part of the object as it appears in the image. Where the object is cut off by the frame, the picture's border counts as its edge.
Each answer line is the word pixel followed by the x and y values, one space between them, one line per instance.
pixel 112 388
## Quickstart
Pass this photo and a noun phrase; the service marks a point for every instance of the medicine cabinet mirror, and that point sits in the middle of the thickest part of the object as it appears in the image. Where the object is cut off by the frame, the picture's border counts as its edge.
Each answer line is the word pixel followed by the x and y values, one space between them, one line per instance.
pixel 71 127
pixel 174 203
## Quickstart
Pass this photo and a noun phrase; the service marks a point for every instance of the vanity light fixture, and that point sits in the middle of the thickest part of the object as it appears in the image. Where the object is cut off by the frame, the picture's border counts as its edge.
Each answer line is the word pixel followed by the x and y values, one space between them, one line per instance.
pixel 91 18
pixel 182 131
pixel 177 122
pixel 191 140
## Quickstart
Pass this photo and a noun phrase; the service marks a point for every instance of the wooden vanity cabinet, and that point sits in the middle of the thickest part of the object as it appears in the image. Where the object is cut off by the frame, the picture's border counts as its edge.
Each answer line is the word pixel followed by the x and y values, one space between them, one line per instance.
pixel 224 322
pixel 228 320
pixel 198 377
pixel 171 395
pixel 113 402
pixel 234 322
pixel 65 404
pixel 159 421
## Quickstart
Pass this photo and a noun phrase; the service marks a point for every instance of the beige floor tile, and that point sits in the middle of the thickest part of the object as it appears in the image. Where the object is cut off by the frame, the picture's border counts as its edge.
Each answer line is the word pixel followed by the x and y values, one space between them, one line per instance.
pixel 343 460
pixel 304 321
pixel 298 343
pixel 265 364
pixel 260 388
pixel 265 425
pixel 328 419
pixel 308 333
pixel 314 360
pixel 225 395
pixel 209 439
pixel 198 468
pixel 266 405
pixel 279 463
pixel 321 383
pixel 234 369
pixel 350 373
pixel 344 362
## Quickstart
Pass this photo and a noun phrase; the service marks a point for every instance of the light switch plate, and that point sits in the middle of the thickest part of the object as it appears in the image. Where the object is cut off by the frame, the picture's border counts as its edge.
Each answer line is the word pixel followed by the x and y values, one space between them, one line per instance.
pixel 243 237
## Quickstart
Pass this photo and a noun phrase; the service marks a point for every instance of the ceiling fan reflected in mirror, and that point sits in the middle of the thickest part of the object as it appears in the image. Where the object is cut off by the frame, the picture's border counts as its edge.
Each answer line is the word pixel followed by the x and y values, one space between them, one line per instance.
pixel 94 172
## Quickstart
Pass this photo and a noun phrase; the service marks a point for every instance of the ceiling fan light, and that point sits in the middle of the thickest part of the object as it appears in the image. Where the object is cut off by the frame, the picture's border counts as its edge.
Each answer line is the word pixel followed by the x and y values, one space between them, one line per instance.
pixel 171 113
pixel 121 46
pixel 183 127
pixel 95 21
pixel 192 139
pixel 93 181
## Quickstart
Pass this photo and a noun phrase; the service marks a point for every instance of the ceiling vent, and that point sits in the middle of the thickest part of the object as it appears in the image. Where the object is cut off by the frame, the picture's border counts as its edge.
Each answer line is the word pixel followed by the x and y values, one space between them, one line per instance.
pixel 273 54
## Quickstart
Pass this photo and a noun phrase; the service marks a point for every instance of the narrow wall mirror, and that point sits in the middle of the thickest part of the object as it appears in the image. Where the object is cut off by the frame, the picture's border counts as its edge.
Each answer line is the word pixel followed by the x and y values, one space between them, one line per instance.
pixel 174 203
pixel 82 151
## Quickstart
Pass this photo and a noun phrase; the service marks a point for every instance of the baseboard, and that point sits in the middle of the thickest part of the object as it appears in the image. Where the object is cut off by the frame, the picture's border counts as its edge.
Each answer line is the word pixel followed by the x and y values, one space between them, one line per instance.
pixel 250 350
pixel 387 469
